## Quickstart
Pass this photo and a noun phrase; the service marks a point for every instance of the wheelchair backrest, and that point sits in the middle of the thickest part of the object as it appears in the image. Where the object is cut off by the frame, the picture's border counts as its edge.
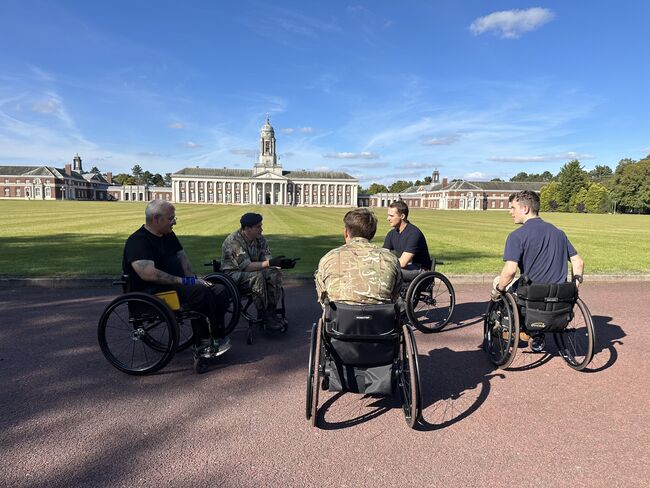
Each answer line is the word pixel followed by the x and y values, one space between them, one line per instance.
pixel 362 335
pixel 547 307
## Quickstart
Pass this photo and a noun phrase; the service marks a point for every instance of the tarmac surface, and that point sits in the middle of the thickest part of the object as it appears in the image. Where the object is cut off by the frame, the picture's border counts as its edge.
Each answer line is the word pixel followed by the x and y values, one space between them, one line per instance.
pixel 68 418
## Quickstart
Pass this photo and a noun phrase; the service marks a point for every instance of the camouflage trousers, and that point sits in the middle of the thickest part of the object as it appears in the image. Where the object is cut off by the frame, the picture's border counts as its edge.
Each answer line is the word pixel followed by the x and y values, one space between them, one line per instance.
pixel 266 283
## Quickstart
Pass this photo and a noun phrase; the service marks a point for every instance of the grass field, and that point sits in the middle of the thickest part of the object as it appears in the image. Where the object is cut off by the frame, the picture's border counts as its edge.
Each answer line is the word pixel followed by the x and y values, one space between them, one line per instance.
pixel 86 238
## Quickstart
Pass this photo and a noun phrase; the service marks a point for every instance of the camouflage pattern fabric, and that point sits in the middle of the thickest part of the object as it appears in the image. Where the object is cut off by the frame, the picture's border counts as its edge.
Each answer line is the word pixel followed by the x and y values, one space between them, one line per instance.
pixel 358 273
pixel 237 253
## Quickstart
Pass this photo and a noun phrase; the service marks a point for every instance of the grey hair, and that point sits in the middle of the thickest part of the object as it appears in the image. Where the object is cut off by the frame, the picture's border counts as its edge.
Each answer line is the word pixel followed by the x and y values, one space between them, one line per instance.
pixel 155 207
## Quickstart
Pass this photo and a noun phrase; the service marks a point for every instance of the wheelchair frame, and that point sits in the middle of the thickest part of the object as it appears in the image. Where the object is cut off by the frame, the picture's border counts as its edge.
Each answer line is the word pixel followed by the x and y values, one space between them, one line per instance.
pixel 430 300
pixel 405 370
pixel 502 326
pixel 246 309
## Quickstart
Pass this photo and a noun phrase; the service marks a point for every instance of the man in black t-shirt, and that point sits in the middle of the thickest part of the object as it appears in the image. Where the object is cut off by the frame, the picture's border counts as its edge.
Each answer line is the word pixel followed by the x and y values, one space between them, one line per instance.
pixel 538 249
pixel 407 241
pixel 155 261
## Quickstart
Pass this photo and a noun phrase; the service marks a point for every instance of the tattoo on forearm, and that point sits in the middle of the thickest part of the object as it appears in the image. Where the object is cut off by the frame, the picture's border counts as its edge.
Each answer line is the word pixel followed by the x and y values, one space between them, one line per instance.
pixel 148 272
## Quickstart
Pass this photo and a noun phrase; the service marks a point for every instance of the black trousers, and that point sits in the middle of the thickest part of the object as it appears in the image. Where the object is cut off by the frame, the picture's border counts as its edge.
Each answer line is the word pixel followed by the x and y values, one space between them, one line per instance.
pixel 209 301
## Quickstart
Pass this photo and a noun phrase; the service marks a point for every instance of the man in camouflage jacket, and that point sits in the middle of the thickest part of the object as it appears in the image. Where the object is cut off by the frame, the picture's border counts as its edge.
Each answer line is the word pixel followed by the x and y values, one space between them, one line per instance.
pixel 359 272
pixel 246 258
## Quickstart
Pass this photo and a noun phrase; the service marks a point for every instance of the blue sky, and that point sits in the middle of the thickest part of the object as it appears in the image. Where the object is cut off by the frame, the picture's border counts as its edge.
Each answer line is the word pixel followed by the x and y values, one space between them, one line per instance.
pixel 383 90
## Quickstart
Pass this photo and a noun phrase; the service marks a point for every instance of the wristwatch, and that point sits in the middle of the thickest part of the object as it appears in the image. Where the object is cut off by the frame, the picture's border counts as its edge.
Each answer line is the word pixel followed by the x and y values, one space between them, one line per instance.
pixel 578 278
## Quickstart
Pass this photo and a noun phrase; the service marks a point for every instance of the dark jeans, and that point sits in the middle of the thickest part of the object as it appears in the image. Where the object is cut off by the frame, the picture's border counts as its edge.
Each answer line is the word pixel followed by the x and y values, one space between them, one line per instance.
pixel 209 301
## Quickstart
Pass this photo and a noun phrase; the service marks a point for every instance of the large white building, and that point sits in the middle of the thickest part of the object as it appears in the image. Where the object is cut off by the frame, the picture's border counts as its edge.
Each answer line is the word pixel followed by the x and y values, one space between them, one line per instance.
pixel 266 184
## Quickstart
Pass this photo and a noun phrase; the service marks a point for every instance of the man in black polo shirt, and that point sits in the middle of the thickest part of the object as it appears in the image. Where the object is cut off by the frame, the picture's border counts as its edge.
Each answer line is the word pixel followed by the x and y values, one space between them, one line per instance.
pixel 538 249
pixel 155 261
pixel 407 241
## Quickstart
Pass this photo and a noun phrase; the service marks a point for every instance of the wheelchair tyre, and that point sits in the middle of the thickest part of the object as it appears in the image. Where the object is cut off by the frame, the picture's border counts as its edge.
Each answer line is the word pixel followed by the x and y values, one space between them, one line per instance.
pixel 137 333
pixel 430 301
pixel 576 343
pixel 233 310
pixel 313 377
pixel 501 330
pixel 409 377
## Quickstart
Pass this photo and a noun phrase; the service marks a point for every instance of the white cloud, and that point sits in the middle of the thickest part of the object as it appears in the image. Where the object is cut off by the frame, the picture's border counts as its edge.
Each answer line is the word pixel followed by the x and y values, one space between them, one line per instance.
pixel 191 145
pixel 177 125
pixel 48 106
pixel 302 130
pixel 511 24
pixel 352 155
pixel 441 141
pixel 476 175
pixel 541 158
pixel 244 152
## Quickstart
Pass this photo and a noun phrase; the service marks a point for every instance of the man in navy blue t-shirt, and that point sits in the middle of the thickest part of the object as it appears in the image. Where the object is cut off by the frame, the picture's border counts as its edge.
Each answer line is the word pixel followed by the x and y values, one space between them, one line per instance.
pixel 407 241
pixel 538 249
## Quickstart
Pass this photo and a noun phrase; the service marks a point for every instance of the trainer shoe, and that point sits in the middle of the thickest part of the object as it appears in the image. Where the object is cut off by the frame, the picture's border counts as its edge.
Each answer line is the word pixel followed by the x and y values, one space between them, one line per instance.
pixel 220 346
pixel 537 343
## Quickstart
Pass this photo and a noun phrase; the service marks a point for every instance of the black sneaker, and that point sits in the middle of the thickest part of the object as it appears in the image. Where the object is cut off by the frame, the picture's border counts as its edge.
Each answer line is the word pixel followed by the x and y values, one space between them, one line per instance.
pixel 537 343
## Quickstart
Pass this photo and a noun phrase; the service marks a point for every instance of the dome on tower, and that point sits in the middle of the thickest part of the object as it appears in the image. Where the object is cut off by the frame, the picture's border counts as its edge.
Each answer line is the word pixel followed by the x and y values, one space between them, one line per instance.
pixel 267 128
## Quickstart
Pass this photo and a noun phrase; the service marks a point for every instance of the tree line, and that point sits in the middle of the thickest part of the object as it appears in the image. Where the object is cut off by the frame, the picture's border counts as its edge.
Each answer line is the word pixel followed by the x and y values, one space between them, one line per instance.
pixel 138 176
pixel 625 189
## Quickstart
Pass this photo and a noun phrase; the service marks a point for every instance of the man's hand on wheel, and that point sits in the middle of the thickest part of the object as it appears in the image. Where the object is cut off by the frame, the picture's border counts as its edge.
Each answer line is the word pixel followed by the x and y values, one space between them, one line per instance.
pixel 495 294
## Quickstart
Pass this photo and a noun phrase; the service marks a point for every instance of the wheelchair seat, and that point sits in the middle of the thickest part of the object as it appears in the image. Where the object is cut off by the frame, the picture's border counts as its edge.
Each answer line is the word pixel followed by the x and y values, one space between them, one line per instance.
pixel 364 349
pixel 362 341
pixel 546 307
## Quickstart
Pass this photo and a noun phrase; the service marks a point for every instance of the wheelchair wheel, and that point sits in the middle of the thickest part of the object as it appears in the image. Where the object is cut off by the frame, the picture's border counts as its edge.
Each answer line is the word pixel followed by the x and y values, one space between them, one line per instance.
pixel 501 330
pixel 233 310
pixel 185 333
pixel 430 301
pixel 576 343
pixel 137 333
pixel 313 376
pixel 408 379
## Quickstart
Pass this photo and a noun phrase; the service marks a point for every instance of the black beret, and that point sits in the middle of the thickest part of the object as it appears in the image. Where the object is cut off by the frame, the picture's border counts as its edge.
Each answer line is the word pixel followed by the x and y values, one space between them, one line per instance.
pixel 250 219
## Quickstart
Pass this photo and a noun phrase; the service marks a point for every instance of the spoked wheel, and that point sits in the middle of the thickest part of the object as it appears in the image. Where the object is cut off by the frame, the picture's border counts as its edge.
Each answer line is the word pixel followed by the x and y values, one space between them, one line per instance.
pixel 576 343
pixel 501 330
pixel 408 379
pixel 313 376
pixel 430 301
pixel 233 308
pixel 137 333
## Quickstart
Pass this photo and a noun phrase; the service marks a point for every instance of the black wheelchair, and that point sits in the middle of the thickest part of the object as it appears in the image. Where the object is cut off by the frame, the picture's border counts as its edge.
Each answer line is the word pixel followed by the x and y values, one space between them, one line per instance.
pixel 540 308
pixel 363 349
pixel 430 300
pixel 139 333
pixel 242 302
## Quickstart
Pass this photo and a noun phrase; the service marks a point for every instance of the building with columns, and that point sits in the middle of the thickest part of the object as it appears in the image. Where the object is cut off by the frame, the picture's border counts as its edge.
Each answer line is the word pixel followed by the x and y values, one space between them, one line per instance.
pixel 266 184
pixel 457 195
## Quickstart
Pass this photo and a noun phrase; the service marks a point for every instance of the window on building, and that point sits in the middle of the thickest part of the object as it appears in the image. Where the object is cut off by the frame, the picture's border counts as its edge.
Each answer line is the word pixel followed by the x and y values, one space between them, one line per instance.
pixel 17 192
pixel 48 192
pixel 6 192
pixel 501 204
pixel 493 204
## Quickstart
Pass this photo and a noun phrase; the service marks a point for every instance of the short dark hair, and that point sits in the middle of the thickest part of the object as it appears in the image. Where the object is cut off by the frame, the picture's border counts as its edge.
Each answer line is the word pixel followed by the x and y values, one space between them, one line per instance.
pixel 528 198
pixel 360 222
pixel 401 207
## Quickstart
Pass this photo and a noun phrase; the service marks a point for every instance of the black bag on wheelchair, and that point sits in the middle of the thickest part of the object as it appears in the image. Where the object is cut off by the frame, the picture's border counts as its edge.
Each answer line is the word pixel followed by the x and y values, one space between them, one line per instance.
pixel 546 307
pixel 363 342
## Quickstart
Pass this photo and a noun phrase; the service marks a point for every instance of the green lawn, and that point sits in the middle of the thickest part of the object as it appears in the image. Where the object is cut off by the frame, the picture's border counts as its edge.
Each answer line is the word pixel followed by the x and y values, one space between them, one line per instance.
pixel 86 238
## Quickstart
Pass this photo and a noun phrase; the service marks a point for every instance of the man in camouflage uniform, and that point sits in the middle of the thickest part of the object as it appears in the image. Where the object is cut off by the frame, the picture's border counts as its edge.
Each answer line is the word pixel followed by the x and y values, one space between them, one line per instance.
pixel 246 258
pixel 359 272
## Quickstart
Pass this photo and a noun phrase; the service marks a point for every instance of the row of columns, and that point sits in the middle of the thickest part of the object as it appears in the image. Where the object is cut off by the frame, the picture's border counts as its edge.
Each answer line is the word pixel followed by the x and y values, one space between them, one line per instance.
pixel 264 193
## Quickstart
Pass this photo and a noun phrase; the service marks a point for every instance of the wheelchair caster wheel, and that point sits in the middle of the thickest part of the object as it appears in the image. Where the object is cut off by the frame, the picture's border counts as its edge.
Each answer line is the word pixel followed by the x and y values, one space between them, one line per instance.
pixel 200 365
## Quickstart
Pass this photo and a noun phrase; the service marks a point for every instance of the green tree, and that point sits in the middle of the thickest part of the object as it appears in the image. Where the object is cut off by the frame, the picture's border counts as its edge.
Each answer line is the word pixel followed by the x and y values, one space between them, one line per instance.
pixel 600 172
pixel 571 179
pixel 546 176
pixel 400 185
pixel 577 201
pixel 147 178
pixel 522 176
pixel 168 179
pixel 597 199
pixel 137 173
pixel 377 188
pixel 158 180
pixel 496 179
pixel 631 187
pixel 124 179
pixel 549 196
pixel 623 163
pixel 94 169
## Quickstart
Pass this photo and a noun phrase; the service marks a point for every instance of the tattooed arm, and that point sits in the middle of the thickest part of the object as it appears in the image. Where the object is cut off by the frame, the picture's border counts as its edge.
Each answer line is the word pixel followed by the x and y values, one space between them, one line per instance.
pixel 147 271
pixel 185 263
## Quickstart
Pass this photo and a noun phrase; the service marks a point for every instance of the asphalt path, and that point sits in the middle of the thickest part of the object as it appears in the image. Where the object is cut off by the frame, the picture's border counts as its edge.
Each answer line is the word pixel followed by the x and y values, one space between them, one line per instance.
pixel 68 418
